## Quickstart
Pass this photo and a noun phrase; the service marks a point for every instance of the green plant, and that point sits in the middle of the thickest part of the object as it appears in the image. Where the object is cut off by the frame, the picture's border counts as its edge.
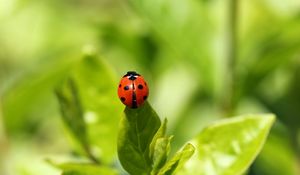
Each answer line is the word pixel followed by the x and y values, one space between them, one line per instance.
pixel 227 147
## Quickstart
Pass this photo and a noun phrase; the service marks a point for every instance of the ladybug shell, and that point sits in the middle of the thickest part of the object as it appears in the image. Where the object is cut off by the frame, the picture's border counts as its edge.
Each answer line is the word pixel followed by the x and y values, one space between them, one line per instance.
pixel 133 90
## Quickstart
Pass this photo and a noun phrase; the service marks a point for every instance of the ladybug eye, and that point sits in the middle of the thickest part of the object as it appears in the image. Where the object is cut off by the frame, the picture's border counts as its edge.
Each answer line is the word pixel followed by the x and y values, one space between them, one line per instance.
pixel 126 88
pixel 140 86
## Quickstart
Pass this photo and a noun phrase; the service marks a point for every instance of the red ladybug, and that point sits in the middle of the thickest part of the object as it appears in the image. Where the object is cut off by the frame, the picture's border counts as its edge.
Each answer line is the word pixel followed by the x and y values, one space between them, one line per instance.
pixel 133 90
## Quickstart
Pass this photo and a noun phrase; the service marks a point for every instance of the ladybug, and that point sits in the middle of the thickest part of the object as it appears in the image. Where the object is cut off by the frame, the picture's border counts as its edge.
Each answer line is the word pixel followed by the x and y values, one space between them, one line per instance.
pixel 133 90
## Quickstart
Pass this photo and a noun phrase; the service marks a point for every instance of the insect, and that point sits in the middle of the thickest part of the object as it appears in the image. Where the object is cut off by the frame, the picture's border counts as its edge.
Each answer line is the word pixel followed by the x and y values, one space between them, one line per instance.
pixel 133 90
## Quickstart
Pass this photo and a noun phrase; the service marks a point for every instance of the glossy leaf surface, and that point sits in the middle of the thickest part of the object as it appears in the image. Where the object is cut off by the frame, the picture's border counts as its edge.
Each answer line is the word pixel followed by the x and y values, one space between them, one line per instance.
pixel 138 127
pixel 230 146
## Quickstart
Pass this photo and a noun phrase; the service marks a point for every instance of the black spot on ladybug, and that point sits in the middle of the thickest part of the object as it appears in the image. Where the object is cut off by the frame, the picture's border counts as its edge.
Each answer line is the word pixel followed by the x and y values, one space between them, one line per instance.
pixel 145 84
pixel 120 85
pixel 145 97
pixel 140 86
pixel 126 88
pixel 123 99
pixel 132 77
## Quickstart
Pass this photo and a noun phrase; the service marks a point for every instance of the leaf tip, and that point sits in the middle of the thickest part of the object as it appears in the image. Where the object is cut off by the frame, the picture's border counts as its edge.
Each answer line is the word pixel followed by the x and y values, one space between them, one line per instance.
pixel 190 147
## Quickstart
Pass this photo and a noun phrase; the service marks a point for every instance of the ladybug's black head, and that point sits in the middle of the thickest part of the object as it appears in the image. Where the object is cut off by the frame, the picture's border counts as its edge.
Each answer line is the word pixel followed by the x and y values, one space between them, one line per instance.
pixel 131 74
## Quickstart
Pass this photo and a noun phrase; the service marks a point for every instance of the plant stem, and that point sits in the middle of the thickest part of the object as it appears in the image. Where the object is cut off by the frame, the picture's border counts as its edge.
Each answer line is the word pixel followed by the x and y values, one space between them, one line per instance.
pixel 295 145
pixel 2 134
pixel 229 103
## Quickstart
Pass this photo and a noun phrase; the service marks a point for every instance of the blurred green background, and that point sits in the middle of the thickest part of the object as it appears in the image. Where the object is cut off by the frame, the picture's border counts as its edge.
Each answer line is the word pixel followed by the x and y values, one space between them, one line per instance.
pixel 203 59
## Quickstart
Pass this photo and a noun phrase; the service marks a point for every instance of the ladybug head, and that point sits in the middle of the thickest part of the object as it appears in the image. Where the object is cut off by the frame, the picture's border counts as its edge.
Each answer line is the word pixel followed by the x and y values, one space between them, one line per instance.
pixel 131 75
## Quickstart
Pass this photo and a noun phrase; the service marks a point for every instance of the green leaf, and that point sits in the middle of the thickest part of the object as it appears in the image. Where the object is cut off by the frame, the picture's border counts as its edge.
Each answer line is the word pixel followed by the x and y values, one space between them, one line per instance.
pixel 230 146
pixel 96 89
pixel 97 86
pixel 137 130
pixel 178 160
pixel 161 152
pixel 83 169
pixel 71 110
pixel 159 134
